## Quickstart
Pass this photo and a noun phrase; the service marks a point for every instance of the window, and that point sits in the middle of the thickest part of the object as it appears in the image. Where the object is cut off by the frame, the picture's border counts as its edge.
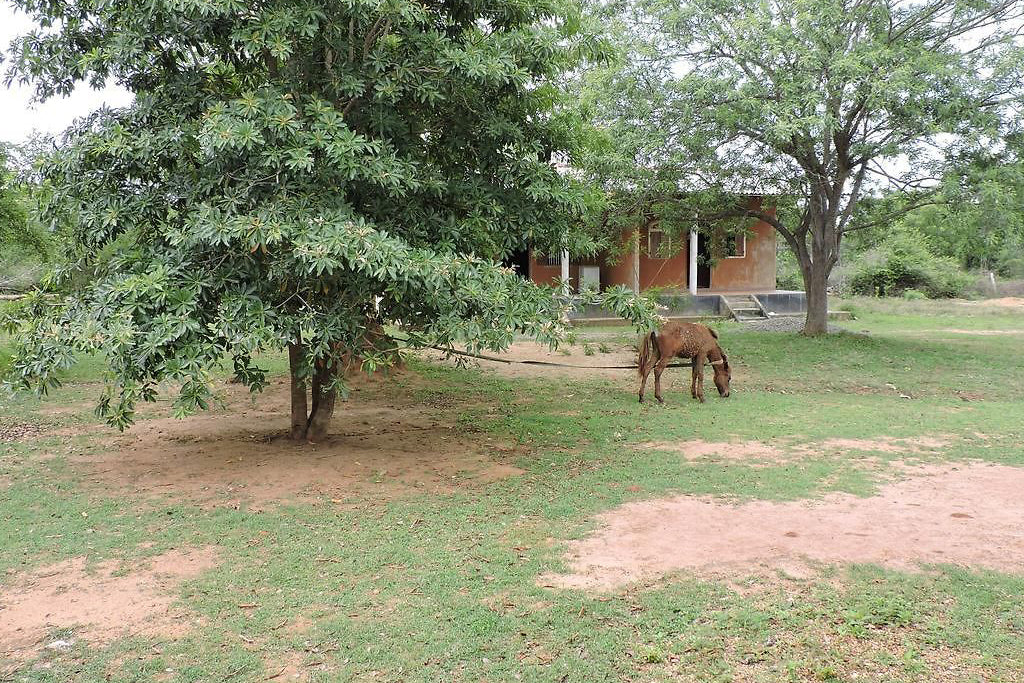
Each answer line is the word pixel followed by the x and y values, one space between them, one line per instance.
pixel 736 246
pixel 659 245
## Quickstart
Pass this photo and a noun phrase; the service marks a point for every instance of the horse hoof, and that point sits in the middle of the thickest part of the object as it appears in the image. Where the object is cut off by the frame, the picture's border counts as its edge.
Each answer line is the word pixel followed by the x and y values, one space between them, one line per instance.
pixel 661 400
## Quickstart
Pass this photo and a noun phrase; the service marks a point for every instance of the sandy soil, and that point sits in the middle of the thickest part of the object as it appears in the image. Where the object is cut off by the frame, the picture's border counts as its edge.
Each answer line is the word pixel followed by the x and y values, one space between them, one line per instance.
pixel 525 350
pixel 966 516
pixel 771 454
pixel 238 455
pixel 96 604
pixel 982 333
pixel 1003 302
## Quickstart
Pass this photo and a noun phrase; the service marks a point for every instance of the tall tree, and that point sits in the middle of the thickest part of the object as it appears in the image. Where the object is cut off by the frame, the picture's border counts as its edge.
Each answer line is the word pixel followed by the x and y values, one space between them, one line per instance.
pixel 813 101
pixel 299 173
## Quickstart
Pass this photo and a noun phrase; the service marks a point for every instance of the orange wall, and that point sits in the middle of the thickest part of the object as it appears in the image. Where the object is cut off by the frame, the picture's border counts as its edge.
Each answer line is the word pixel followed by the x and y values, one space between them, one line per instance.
pixel 665 272
pixel 543 274
pixel 755 271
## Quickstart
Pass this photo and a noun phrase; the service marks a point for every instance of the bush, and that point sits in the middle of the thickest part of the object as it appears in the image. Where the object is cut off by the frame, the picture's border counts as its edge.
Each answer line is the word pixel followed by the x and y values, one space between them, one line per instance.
pixel 903 262
pixel 914 295
pixel 787 271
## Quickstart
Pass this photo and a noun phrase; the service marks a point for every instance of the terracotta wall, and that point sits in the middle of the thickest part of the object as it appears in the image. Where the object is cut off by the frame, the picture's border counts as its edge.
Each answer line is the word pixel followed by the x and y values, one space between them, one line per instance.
pixel 619 273
pixel 543 274
pixel 755 271
pixel 665 272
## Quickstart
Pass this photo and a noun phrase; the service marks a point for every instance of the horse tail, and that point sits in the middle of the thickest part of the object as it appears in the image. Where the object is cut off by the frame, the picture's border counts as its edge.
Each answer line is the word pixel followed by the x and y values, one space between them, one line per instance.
pixel 646 342
pixel 713 333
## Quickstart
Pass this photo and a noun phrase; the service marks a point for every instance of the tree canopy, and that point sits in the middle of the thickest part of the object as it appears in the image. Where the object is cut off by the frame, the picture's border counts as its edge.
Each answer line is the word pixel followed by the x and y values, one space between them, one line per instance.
pixel 300 174
pixel 813 102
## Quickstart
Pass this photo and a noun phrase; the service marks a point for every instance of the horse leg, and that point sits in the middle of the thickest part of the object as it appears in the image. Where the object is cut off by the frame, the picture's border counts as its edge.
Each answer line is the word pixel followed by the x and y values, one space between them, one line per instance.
pixel 644 372
pixel 698 376
pixel 693 378
pixel 658 369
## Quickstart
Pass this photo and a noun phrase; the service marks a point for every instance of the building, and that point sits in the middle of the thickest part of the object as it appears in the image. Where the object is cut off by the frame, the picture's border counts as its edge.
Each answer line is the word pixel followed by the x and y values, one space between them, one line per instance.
pixel 744 264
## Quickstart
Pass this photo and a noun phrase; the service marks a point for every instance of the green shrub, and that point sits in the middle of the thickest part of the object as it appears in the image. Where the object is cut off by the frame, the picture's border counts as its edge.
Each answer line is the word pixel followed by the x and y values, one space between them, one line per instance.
pixel 787 271
pixel 903 262
pixel 914 295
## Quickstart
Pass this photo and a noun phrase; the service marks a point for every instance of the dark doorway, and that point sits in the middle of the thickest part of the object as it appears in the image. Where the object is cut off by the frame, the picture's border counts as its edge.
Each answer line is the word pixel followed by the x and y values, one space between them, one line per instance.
pixel 703 262
pixel 520 261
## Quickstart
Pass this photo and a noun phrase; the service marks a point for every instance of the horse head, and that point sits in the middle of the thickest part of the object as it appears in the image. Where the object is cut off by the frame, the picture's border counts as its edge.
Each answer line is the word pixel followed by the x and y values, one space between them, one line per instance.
pixel 723 375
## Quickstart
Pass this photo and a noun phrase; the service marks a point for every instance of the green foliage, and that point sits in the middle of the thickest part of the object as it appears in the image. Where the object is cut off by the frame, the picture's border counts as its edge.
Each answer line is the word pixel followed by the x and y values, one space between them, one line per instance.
pixel 25 246
pixel 981 222
pixel 903 265
pixel 299 171
pixel 976 215
pixel 914 295
pixel 787 270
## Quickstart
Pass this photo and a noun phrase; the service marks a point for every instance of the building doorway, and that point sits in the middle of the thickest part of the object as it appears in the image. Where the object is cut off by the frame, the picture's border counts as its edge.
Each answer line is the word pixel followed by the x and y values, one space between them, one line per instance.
pixel 703 262
pixel 520 262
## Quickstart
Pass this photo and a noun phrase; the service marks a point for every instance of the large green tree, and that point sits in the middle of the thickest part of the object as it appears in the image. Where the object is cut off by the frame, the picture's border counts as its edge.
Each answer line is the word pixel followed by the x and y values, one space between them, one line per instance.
pixel 815 102
pixel 300 174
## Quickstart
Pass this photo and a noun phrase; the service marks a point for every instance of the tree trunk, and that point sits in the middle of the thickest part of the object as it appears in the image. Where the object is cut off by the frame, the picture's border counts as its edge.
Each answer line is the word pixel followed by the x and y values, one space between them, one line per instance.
pixel 310 422
pixel 324 395
pixel 816 287
pixel 296 352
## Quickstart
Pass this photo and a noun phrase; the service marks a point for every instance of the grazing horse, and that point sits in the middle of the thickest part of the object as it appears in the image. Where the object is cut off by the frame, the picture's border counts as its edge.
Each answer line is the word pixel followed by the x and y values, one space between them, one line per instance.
pixel 683 340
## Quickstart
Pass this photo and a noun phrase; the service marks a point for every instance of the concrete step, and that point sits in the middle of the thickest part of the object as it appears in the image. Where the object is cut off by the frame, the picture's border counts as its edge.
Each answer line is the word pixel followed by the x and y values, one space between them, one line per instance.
pixel 744 307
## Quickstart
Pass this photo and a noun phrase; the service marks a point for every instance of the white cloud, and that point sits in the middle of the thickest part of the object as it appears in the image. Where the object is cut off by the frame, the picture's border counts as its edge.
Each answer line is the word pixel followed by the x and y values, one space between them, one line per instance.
pixel 19 118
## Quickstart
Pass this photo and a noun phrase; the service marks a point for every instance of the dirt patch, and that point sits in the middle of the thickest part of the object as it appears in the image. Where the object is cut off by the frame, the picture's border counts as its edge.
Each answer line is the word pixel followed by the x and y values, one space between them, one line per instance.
pixel 916 445
pixel 981 333
pixel 95 604
pixel 967 516
pixel 1003 302
pixel 238 455
pixel 621 355
pixel 725 450
pixel 15 431
pixel 768 454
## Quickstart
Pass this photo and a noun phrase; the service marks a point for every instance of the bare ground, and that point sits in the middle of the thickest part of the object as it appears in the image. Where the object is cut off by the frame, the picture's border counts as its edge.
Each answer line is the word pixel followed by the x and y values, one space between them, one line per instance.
pixel 620 355
pixel 966 515
pixel 979 333
pixel 94 603
pixel 1002 302
pixel 756 452
pixel 239 455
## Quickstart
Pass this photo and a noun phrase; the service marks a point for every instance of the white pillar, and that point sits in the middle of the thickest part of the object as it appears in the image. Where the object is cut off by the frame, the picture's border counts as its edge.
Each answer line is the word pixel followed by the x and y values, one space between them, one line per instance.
pixel 693 262
pixel 636 262
pixel 565 272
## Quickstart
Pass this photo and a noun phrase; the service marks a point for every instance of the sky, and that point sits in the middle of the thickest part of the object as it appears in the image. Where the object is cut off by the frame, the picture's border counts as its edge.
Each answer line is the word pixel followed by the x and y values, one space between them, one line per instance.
pixel 19 118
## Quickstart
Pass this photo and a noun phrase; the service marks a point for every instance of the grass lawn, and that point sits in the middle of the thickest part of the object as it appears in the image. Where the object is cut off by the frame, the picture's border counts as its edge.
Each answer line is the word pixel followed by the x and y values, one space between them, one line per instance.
pixel 445 585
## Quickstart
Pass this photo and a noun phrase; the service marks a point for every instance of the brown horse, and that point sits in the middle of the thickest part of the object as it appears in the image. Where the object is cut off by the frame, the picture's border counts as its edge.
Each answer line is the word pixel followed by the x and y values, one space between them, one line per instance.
pixel 683 340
